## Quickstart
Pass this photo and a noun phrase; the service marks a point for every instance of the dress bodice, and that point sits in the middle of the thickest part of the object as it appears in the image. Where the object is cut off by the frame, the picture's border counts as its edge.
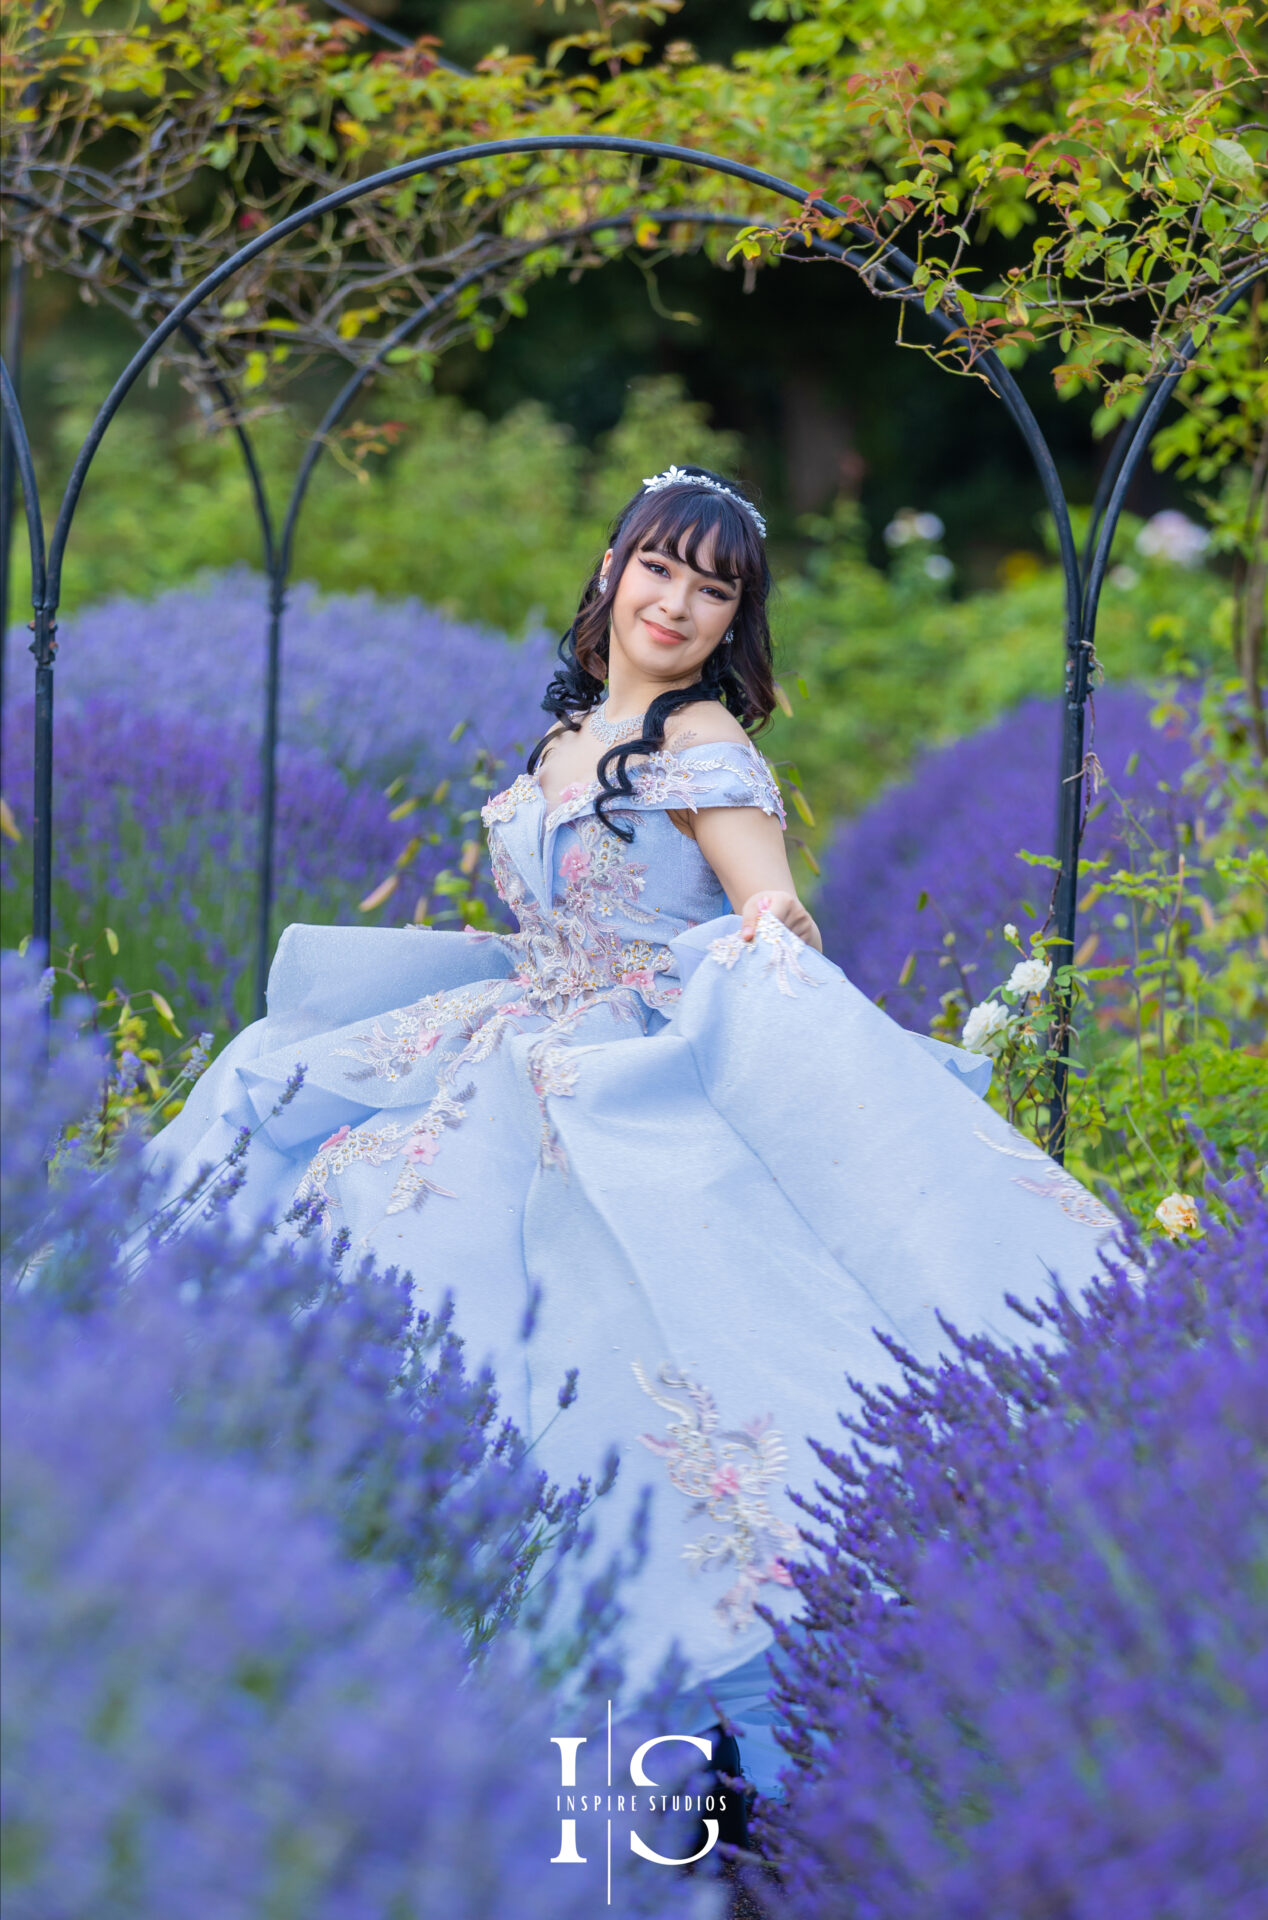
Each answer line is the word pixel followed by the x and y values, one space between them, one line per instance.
pixel 596 913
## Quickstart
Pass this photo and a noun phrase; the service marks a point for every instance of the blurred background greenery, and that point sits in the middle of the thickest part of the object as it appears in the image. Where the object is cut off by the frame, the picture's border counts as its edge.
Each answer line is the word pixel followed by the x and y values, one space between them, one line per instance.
pixel 495 514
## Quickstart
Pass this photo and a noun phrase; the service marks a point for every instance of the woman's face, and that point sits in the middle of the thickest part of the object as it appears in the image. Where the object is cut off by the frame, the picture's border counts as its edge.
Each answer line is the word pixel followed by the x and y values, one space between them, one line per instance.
pixel 667 617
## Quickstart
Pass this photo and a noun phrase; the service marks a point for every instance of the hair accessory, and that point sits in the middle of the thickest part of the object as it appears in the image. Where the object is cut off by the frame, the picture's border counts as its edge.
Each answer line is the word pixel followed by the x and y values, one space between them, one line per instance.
pixel 611 732
pixel 676 477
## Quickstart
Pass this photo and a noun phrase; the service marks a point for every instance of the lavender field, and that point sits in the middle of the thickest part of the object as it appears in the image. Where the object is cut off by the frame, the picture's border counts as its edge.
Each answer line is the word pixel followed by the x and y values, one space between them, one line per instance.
pixel 261 1524
pixel 249 1504
pixel 156 796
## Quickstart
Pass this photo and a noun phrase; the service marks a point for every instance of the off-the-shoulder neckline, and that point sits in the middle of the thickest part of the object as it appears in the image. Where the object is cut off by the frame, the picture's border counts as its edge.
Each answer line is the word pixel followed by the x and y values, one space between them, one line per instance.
pixel 583 792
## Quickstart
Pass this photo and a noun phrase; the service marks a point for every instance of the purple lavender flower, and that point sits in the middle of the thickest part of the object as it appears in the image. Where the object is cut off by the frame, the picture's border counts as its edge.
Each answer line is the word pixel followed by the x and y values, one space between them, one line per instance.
pixel 265 1540
pixel 954 829
pixel 1038 1677
pixel 162 839
pixel 371 685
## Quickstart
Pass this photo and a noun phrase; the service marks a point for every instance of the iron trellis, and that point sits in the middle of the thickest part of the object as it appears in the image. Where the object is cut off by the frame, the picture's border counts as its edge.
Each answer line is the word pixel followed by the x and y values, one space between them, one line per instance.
pixel 881 266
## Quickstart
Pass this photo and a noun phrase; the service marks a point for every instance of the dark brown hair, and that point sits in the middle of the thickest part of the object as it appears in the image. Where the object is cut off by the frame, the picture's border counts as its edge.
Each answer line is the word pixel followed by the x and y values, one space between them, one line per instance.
pixel 739 673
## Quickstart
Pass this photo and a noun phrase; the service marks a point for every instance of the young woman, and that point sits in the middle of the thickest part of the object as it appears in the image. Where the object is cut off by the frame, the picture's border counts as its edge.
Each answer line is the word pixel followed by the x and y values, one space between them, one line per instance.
pixel 656 1104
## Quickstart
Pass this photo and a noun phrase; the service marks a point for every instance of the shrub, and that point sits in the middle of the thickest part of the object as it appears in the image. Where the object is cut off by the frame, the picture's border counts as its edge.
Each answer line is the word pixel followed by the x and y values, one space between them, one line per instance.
pixel 879 664
pixel 491 521
pixel 259 1524
pixel 1036 1680
pixel 952 832
pixel 157 772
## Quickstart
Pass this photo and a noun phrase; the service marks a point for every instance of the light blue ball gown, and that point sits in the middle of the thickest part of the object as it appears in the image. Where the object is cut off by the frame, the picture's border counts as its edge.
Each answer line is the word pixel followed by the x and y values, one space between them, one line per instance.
pixel 723 1166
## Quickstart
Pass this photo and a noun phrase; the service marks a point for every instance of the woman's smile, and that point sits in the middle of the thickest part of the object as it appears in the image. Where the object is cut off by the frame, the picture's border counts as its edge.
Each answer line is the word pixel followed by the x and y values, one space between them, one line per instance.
pixel 665 636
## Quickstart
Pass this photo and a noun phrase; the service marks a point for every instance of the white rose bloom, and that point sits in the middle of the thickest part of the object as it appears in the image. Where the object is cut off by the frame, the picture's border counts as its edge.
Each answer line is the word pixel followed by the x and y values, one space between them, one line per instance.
pixel 986 1020
pixel 1177 1214
pixel 938 567
pixel 927 526
pixel 1029 976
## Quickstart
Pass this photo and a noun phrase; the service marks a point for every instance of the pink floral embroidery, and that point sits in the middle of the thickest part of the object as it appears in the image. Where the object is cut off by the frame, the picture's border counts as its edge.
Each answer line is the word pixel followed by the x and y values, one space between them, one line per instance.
pixel 726 1474
pixel 572 950
pixel 502 806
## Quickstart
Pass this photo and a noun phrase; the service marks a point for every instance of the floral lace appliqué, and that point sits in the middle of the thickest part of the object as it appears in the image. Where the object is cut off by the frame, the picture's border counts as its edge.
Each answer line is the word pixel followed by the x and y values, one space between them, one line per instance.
pixel 417 1031
pixel 501 807
pixel 783 950
pixel 574 950
pixel 726 1473
pixel 668 779
pixel 1054 1183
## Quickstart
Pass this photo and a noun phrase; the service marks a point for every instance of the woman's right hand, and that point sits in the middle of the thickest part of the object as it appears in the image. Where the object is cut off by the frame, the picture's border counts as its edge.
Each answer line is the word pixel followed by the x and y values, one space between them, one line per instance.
pixel 786 907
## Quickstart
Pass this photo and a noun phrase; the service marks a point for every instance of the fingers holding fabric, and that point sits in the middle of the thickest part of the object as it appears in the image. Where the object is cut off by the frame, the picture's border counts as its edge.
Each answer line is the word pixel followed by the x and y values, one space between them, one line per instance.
pixel 786 907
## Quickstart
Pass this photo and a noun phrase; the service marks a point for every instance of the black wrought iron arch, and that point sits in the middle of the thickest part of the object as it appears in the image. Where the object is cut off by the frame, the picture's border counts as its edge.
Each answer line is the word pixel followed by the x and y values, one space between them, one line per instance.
pixel 137 274
pixel 879 263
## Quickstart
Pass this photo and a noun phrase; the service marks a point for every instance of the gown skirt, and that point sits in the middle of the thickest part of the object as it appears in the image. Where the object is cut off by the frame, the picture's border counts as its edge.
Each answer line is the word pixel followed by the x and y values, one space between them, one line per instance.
pixel 719 1166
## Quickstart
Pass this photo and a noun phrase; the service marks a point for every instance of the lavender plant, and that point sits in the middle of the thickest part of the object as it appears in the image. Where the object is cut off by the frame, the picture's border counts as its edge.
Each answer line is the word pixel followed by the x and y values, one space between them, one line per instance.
pixel 259 1523
pixel 156 796
pixel 938 855
pixel 373 685
pixel 260 1527
pixel 1167 982
pixel 1036 1676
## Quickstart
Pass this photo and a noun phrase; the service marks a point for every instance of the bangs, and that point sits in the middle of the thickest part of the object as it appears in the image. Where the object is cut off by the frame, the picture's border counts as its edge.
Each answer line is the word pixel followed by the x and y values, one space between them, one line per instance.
pixel 679 522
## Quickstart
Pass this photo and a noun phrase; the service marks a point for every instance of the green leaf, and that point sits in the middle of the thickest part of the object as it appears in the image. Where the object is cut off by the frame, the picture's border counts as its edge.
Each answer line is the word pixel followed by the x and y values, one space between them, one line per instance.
pixel 1177 285
pixel 1230 158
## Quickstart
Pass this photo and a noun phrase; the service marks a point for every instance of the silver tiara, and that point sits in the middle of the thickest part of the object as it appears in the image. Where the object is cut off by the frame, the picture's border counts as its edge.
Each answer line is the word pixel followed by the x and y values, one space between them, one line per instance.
pixel 676 477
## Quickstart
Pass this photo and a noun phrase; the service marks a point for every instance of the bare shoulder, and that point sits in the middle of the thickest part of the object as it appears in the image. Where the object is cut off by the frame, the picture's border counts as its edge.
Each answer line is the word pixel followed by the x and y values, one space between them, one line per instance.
pixel 705 723
pixel 553 734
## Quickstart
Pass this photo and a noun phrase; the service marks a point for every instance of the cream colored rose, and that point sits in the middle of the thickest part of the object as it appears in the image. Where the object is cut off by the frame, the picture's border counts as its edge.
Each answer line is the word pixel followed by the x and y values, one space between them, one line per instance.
pixel 1177 1214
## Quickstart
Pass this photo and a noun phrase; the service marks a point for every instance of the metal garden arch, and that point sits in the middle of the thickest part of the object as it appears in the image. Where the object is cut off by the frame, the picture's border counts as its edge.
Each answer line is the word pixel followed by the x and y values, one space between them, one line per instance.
pixel 885 267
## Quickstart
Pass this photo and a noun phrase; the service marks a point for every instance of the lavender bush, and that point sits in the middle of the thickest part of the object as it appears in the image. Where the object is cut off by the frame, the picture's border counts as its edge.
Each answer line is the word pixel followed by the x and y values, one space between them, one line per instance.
pixel 376 686
pixel 1036 1681
pixel 953 831
pixel 257 1522
pixel 156 792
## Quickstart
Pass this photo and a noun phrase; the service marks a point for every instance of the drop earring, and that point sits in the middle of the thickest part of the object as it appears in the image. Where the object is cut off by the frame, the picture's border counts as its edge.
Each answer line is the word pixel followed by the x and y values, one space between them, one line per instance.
pixel 603 583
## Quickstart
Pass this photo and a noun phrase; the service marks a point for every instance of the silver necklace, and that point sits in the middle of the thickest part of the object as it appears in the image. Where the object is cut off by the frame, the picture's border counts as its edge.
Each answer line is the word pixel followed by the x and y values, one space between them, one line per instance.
pixel 609 732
